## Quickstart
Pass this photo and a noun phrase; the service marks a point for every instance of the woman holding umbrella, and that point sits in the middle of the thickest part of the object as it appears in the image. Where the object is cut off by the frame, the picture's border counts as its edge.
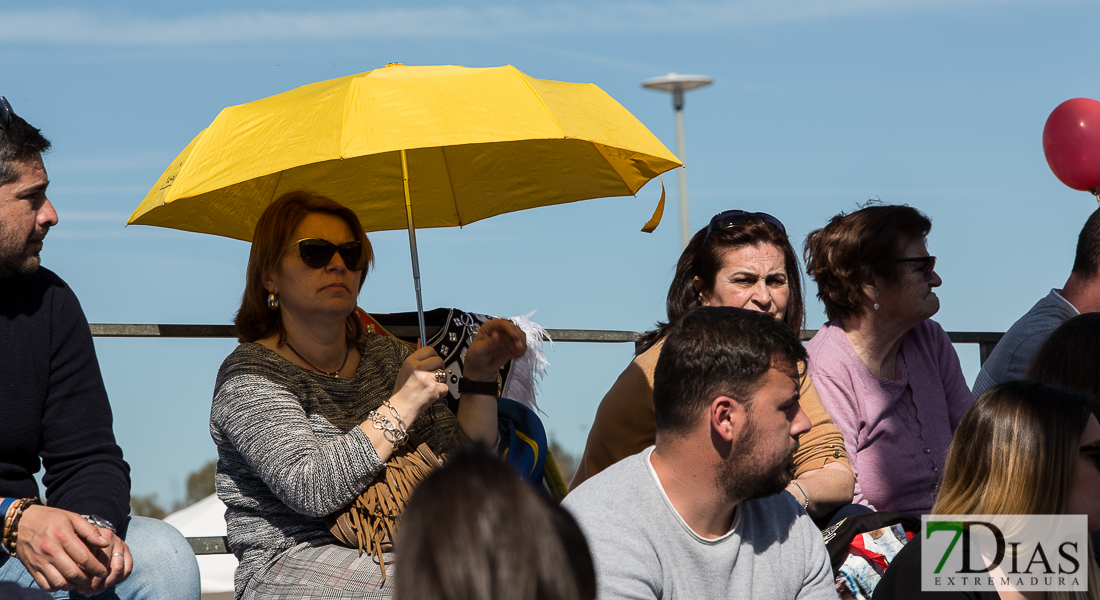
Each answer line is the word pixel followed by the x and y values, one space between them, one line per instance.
pixel 308 408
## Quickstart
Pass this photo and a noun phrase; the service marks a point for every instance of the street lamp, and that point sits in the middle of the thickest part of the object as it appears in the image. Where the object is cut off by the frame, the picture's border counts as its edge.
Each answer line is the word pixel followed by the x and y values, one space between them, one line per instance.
pixel 678 84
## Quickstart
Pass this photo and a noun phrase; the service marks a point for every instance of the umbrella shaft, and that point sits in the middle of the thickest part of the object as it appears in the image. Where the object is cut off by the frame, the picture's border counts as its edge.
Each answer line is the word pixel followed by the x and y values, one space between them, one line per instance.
pixel 412 249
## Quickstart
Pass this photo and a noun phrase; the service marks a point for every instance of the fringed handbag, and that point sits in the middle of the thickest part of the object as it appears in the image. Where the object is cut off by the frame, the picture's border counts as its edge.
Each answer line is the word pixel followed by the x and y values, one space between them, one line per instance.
pixel 370 522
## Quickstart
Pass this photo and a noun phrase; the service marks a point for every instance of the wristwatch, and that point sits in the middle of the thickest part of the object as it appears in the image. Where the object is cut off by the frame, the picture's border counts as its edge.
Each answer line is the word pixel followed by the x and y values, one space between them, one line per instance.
pixel 99 521
pixel 488 388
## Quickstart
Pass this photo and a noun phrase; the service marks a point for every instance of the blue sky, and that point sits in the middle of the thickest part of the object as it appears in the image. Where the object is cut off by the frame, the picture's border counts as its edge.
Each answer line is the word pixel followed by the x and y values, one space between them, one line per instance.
pixel 816 106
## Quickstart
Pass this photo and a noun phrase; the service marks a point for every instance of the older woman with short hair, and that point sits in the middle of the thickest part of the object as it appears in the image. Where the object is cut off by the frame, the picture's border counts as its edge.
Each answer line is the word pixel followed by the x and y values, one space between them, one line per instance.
pixel 885 371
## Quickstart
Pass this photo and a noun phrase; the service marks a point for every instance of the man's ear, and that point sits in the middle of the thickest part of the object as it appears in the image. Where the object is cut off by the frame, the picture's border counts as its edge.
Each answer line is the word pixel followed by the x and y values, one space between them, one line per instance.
pixel 727 417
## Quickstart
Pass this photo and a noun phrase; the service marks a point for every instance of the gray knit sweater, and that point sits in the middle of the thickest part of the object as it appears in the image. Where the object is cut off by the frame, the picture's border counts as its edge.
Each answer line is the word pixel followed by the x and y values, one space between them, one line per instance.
pixel 289 447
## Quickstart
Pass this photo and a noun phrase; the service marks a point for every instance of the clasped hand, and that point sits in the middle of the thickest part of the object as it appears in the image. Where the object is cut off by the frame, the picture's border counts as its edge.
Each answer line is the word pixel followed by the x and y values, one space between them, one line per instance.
pixel 62 551
pixel 416 388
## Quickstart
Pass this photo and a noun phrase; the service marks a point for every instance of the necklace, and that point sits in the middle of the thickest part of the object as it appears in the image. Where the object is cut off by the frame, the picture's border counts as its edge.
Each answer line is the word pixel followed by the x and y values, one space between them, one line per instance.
pixel 335 373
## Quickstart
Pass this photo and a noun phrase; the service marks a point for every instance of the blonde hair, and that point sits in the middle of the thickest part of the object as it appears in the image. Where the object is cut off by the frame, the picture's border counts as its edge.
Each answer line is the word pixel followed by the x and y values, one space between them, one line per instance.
pixel 1015 452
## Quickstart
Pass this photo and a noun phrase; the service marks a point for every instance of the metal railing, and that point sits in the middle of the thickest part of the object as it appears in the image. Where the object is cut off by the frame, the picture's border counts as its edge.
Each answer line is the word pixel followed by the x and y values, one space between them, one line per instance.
pixel 986 341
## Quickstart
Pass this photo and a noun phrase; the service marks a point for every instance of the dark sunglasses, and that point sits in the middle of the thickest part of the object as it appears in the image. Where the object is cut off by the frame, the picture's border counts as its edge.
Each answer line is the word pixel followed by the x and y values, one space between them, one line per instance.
pixel 317 253
pixel 5 113
pixel 1093 451
pixel 733 218
pixel 927 269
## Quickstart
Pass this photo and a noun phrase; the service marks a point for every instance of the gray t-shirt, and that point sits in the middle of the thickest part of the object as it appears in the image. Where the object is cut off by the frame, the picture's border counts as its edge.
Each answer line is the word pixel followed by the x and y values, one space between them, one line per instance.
pixel 1010 359
pixel 643 548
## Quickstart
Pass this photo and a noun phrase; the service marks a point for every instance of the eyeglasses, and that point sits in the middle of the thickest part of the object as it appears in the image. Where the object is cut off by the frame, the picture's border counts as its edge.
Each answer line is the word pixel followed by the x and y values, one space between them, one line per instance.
pixel 1093 451
pixel 5 113
pixel 927 269
pixel 317 253
pixel 733 218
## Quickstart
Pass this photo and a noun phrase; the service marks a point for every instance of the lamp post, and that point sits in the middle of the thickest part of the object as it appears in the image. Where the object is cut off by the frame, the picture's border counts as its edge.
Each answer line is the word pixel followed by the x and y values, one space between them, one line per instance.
pixel 678 84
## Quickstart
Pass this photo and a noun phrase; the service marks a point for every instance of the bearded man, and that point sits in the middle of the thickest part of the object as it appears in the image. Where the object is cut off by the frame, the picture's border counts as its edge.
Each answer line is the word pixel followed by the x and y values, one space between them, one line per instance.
pixel 699 515
pixel 54 413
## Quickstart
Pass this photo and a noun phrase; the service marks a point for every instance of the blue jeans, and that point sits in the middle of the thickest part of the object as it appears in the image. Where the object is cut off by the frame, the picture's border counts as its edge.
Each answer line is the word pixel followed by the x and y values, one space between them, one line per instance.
pixel 164 566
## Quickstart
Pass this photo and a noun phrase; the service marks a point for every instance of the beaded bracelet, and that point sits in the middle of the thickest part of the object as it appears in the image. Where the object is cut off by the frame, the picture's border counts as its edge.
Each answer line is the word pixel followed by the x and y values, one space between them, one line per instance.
pixel 390 431
pixel 11 533
pixel 9 515
pixel 5 507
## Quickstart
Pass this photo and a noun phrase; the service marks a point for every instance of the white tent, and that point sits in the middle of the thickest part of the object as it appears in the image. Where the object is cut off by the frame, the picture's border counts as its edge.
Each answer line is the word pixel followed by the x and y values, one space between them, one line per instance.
pixel 203 519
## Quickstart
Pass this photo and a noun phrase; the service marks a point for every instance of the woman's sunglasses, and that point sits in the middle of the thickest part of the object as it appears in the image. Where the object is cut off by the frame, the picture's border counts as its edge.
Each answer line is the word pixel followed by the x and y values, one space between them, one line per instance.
pixel 317 253
pixel 733 218
pixel 929 264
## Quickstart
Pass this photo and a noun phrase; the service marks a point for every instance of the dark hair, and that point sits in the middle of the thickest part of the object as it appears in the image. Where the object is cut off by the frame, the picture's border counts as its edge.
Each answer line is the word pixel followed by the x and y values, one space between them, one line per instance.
pixel 1070 357
pixel 718 351
pixel 18 142
pixel 703 257
pixel 854 247
pixel 474 531
pixel 1086 262
pixel 277 223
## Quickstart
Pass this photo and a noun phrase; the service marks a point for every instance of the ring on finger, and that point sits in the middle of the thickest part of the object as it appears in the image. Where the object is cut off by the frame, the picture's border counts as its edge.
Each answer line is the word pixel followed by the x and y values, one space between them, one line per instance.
pixel 440 376
pixel 118 554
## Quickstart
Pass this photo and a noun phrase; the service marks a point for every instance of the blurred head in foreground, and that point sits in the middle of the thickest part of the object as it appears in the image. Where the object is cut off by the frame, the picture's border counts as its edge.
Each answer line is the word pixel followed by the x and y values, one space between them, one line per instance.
pixel 474 531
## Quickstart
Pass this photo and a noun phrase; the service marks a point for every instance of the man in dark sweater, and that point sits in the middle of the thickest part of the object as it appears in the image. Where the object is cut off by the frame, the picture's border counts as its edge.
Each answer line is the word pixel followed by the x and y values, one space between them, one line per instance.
pixel 55 414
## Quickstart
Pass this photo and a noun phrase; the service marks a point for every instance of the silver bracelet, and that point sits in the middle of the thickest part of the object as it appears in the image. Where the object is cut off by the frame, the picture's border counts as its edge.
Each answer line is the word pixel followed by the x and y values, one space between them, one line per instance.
pixel 390 431
pixel 806 504
pixel 393 411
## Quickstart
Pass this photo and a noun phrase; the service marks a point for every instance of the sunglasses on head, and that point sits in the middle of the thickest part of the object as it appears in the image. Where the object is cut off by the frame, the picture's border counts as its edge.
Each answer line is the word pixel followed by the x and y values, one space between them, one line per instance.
pixel 5 113
pixel 317 253
pixel 733 218
pixel 927 269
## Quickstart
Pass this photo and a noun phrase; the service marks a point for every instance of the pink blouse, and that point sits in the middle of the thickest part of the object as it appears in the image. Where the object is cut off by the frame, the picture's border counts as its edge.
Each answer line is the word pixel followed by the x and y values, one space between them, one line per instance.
pixel 896 432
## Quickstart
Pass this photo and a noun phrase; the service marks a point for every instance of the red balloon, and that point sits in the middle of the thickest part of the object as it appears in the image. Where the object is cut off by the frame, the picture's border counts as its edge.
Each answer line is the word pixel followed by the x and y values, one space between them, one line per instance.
pixel 1071 143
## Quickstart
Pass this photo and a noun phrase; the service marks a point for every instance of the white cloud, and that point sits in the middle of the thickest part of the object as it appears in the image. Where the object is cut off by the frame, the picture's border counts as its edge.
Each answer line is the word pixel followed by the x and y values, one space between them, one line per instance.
pixel 85 27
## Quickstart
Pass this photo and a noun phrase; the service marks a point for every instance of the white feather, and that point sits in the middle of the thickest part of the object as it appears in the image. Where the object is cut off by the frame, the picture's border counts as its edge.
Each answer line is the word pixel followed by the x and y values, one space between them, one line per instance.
pixel 530 368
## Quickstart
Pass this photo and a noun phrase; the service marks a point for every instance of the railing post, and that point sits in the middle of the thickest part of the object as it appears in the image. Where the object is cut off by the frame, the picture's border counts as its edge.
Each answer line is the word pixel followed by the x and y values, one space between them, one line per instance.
pixel 984 350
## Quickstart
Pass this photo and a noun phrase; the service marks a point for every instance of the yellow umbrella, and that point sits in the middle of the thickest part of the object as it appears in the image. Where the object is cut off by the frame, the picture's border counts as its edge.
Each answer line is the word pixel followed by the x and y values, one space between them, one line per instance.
pixel 456 144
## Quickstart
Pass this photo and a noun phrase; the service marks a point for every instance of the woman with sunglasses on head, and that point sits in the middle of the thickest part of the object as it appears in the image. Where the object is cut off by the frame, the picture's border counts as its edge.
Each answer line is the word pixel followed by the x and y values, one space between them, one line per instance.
pixel 743 260
pixel 1023 448
pixel 886 372
pixel 309 407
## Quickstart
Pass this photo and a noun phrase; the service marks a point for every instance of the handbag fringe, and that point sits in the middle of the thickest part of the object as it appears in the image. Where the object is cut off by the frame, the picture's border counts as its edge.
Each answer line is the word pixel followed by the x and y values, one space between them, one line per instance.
pixel 369 523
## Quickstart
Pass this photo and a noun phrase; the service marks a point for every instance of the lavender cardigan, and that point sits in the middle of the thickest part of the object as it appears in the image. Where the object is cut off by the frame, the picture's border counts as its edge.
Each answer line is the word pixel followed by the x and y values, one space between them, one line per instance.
pixel 896 432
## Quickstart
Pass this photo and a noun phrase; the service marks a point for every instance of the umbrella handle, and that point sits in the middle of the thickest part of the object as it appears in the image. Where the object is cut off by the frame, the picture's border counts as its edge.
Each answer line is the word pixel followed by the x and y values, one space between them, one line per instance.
pixel 412 247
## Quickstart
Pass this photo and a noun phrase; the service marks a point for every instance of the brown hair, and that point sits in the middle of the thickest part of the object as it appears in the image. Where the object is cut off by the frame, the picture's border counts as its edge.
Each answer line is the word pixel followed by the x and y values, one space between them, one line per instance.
pixel 854 247
pixel 1015 453
pixel 273 231
pixel 703 258
pixel 474 531
pixel 718 351
pixel 1069 357
pixel 18 142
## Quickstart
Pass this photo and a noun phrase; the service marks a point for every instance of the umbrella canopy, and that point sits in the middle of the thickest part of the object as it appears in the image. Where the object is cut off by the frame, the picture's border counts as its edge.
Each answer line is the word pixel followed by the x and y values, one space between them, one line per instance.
pixel 479 142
